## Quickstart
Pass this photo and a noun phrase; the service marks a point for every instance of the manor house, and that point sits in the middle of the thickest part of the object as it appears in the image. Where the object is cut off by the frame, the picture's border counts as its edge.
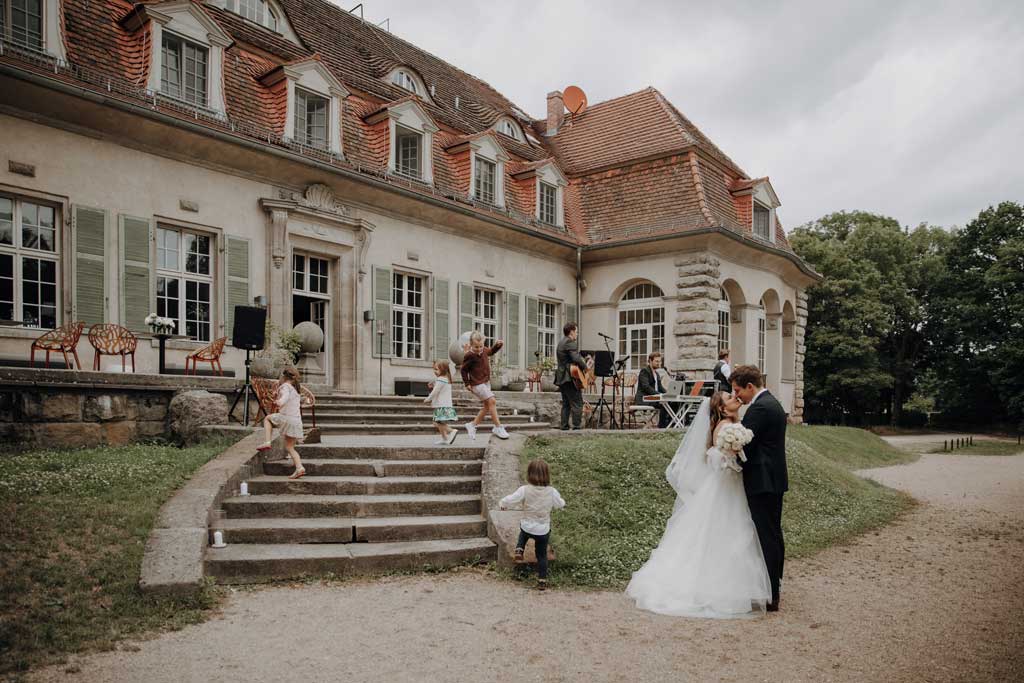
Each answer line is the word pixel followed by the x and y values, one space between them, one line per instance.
pixel 182 157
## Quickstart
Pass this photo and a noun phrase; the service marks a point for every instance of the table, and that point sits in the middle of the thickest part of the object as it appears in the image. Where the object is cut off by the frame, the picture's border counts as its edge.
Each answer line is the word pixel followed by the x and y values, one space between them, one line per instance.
pixel 163 337
pixel 678 407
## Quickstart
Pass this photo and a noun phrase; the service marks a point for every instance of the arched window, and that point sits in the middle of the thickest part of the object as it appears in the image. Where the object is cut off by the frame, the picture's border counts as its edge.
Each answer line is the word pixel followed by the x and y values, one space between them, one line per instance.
pixel 641 323
pixel 761 331
pixel 724 320
pixel 403 79
pixel 506 127
pixel 258 11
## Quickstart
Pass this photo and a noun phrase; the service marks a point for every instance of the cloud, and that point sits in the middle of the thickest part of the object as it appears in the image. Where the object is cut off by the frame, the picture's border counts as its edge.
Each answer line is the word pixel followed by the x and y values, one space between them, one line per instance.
pixel 911 109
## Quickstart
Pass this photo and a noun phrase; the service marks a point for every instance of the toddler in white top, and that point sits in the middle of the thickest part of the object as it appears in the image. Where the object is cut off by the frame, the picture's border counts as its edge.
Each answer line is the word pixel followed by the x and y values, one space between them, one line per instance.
pixel 441 399
pixel 537 498
pixel 288 418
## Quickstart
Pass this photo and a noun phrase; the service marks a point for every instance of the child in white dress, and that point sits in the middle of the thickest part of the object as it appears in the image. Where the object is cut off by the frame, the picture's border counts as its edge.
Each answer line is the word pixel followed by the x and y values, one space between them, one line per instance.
pixel 441 399
pixel 288 418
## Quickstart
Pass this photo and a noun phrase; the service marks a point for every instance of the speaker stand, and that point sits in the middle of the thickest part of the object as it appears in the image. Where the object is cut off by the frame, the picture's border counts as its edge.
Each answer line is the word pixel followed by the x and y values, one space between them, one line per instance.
pixel 243 391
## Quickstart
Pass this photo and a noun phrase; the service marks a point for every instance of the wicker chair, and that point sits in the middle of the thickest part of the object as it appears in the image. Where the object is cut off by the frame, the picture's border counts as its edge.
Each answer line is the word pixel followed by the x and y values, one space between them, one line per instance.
pixel 64 339
pixel 112 340
pixel 208 354
pixel 266 391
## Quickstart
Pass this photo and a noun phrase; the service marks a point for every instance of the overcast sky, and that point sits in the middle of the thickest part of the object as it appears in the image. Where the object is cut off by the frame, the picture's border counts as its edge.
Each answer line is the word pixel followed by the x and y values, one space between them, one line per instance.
pixel 911 109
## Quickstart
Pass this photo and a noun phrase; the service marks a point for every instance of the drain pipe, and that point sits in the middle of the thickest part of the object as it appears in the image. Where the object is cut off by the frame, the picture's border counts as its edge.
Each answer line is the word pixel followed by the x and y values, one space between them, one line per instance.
pixel 579 281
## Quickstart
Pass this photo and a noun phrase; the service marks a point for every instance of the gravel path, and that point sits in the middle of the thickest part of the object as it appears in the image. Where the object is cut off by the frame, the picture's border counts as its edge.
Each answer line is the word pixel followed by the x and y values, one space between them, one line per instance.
pixel 936 596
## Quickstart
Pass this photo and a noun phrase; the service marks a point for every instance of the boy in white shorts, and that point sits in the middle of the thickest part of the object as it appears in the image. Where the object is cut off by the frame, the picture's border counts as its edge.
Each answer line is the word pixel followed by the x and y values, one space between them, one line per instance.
pixel 476 375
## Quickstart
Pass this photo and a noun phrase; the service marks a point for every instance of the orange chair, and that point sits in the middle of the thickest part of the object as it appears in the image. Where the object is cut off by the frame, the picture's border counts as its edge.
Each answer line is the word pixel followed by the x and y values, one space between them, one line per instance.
pixel 208 354
pixel 266 391
pixel 64 338
pixel 533 380
pixel 697 386
pixel 112 340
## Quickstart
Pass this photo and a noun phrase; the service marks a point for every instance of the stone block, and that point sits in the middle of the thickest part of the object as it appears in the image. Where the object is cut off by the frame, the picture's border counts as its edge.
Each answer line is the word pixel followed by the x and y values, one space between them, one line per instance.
pixel 119 433
pixel 696 305
pixel 697 269
pixel 709 293
pixel 190 410
pixel 690 329
pixel 705 280
pixel 150 407
pixel 145 429
pixel 690 259
pixel 103 407
pixel 8 405
pixel 66 434
pixel 697 316
pixel 173 561
pixel 706 353
pixel 56 407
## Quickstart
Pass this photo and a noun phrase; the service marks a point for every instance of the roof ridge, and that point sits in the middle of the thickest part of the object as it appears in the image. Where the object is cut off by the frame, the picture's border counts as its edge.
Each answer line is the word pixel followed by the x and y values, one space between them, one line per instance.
pixel 698 184
pixel 702 140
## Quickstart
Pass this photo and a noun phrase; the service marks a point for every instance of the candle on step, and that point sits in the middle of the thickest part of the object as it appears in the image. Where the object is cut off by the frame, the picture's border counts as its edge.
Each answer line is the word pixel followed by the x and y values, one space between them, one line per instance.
pixel 218 539
pixel 515 411
pixel 243 490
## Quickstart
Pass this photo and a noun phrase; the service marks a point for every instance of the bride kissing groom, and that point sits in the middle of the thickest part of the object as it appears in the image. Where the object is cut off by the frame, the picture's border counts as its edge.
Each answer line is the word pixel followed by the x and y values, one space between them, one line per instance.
pixel 722 552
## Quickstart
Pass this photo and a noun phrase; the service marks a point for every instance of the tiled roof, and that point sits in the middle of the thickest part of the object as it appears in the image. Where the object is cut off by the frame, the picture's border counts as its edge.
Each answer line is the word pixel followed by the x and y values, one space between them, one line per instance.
pixel 636 165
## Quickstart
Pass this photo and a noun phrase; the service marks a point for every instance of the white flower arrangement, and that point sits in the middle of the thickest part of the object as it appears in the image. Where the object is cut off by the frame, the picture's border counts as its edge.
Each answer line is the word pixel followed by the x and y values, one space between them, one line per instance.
pixel 160 324
pixel 731 440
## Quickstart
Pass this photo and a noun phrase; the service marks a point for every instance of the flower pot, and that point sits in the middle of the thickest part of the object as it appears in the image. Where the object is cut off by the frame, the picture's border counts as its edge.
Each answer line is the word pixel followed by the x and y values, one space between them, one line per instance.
pixel 547 383
pixel 516 386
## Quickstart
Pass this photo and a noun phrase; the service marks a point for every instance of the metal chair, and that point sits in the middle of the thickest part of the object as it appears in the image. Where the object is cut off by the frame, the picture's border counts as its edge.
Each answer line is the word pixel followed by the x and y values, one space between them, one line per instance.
pixel 208 354
pixel 266 392
pixel 64 339
pixel 112 340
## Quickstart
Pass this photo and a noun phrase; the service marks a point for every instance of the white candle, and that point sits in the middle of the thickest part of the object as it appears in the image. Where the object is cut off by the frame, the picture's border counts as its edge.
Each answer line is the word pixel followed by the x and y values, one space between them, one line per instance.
pixel 218 539
pixel 243 490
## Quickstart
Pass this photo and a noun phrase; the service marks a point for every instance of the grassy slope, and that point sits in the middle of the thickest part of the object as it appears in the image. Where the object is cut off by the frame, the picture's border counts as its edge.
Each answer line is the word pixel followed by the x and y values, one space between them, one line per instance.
pixel 618 499
pixel 73 525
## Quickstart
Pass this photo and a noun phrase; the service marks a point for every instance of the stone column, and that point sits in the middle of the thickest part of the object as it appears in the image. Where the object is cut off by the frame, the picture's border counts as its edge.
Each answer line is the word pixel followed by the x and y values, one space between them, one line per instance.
pixel 696 324
pixel 800 332
pixel 279 286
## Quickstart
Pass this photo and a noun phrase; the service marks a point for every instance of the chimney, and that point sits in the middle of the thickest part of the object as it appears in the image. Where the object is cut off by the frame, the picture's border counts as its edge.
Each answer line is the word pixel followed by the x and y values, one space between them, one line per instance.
pixel 556 112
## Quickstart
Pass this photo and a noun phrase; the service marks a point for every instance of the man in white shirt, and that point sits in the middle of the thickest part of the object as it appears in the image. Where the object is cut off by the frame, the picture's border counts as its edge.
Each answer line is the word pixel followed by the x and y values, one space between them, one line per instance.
pixel 723 370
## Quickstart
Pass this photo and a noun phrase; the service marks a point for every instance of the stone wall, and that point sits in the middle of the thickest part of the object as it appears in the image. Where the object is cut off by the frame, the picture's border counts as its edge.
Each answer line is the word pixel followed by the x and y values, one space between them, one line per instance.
pixel 797 415
pixel 696 322
pixel 72 409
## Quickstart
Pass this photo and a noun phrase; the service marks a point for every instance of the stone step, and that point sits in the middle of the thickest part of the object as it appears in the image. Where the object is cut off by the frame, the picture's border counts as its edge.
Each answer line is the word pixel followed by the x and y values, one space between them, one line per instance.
pixel 311 505
pixel 242 562
pixel 425 427
pixel 385 468
pixel 412 409
pixel 351 529
pixel 321 485
pixel 332 417
pixel 387 400
pixel 461 452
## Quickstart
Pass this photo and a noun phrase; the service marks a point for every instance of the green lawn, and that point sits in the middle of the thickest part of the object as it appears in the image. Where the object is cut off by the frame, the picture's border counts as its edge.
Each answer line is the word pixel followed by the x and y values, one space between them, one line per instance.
pixel 73 525
pixel 618 500
pixel 985 448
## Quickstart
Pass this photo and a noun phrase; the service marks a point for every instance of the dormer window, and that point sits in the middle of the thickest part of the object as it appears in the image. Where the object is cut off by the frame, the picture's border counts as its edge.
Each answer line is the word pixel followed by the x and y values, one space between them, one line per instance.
pixel 548 203
pixel 258 11
pixel 508 128
pixel 762 221
pixel 33 24
pixel 403 79
pixel 183 70
pixel 312 114
pixel 408 154
pixel 486 172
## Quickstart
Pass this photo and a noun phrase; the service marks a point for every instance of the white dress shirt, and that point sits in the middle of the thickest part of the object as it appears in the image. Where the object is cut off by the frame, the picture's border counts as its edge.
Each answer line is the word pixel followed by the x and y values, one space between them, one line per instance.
pixel 537 501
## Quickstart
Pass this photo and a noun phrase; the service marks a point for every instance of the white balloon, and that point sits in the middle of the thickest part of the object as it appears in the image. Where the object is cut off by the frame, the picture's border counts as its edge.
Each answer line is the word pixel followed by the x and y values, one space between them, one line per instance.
pixel 455 352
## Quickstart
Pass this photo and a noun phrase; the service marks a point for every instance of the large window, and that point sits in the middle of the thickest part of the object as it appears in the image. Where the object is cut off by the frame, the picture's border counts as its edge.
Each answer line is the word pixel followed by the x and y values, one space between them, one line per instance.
pixel 258 11
pixel 408 157
pixel 310 274
pixel 762 222
pixel 641 324
pixel 548 204
pixel 184 281
pixel 547 326
pixel 183 70
pixel 761 331
pixel 311 119
pixel 407 315
pixel 29 262
pixel 485 174
pixel 485 314
pixel 724 320
pixel 21 22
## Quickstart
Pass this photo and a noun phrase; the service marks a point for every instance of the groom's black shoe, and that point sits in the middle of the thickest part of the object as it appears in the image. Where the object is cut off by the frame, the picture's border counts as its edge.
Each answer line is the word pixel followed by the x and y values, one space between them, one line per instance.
pixel 773 606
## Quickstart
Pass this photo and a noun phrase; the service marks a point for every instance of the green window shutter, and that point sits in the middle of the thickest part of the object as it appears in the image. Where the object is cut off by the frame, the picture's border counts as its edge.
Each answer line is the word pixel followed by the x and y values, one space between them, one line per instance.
pixel 532 343
pixel 512 344
pixel 465 308
pixel 89 230
pixel 442 305
pixel 136 274
pixel 382 310
pixel 237 281
pixel 500 317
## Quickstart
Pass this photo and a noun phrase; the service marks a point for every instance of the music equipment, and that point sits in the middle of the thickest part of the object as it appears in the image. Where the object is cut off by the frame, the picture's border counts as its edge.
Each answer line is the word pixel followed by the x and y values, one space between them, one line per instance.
pixel 603 362
pixel 605 336
pixel 249 330
pixel 582 378
pixel 675 387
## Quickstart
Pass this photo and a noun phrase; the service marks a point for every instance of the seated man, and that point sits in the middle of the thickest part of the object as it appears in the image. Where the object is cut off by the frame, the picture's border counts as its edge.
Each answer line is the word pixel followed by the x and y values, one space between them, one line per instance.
pixel 649 384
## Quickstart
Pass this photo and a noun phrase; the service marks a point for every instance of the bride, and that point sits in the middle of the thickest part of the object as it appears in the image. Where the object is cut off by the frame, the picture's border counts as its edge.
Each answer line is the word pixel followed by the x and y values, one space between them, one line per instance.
pixel 709 562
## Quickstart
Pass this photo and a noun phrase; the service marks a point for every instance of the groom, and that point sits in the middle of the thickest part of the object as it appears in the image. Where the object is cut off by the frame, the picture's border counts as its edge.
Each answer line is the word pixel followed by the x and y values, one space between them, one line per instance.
pixel 765 478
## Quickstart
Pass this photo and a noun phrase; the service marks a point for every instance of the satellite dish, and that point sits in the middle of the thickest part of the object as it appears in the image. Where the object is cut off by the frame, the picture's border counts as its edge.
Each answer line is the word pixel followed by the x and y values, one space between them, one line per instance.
pixel 575 100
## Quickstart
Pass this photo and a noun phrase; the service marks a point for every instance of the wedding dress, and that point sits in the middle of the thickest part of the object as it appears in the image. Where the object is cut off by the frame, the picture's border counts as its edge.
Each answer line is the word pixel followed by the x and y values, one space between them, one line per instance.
pixel 709 562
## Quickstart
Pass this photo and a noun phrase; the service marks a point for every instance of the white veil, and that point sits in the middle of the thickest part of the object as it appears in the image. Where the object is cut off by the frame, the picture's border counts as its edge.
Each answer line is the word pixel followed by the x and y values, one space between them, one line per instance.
pixel 689 467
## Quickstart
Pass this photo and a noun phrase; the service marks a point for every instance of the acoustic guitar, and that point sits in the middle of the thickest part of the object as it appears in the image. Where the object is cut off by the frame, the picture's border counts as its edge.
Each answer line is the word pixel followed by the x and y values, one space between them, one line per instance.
pixel 582 378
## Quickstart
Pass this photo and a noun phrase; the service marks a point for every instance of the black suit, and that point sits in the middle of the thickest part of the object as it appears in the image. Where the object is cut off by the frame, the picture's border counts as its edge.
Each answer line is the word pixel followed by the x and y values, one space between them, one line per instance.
pixel 568 354
pixel 766 479
pixel 648 383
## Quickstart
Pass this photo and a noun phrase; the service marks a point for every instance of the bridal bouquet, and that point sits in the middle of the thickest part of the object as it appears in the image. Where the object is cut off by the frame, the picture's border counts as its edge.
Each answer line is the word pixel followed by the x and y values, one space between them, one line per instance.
pixel 731 440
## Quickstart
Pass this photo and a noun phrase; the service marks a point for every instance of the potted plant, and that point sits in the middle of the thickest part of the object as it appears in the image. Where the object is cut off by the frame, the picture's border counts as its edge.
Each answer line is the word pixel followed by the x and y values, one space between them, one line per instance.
pixel 516 382
pixel 160 325
pixel 546 366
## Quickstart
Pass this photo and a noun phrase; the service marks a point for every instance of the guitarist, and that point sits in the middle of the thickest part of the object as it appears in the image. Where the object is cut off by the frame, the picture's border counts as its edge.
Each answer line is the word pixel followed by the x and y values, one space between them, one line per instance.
pixel 649 384
pixel 568 354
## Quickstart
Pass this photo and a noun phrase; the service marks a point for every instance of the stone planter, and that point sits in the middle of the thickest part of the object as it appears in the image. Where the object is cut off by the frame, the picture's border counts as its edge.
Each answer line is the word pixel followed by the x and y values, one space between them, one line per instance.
pixel 516 386
pixel 265 367
pixel 547 383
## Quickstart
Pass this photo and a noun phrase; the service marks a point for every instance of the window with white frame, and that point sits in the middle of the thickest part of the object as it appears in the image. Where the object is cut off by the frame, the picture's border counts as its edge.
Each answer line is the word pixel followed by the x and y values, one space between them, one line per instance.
pixel 762 222
pixel 408 153
pixel 403 79
pixel 761 330
pixel 29 262
pixel 641 326
pixel 548 203
pixel 485 175
pixel 310 274
pixel 506 127
pixel 724 320
pixel 547 328
pixel 312 117
pixel 258 11
pixel 485 314
pixel 184 280
pixel 183 70
pixel 21 22
pixel 407 315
